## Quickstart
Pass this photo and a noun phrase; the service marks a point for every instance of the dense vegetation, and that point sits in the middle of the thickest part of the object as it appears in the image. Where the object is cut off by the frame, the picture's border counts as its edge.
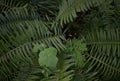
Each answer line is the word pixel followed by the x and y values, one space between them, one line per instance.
pixel 59 40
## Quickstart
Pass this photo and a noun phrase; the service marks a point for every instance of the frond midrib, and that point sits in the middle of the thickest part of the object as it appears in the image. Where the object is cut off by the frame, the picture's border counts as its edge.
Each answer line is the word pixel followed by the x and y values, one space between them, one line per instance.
pixel 35 42
pixel 17 21
pixel 8 6
pixel 69 7
pixel 5 5
pixel 103 43
pixel 113 68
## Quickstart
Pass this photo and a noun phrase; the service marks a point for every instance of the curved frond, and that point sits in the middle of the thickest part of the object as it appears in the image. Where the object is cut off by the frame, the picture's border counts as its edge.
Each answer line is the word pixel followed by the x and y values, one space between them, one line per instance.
pixel 8 4
pixel 28 72
pixel 19 30
pixel 69 8
pixel 64 70
pixel 104 52
pixel 46 7
pixel 107 67
pixel 104 42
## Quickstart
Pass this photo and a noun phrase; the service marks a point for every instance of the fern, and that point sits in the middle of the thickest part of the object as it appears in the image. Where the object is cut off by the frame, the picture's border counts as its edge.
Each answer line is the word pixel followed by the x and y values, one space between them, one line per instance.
pixel 29 72
pixel 19 29
pixel 69 8
pixel 64 71
pixel 24 24
pixel 104 41
pixel 104 52
pixel 8 4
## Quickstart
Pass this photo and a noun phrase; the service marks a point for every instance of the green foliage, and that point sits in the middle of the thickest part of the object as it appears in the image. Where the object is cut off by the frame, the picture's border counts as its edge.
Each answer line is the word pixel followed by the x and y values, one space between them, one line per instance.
pixel 66 64
pixel 69 8
pixel 9 4
pixel 55 68
pixel 104 52
pixel 48 58
pixel 63 71
pixel 104 41
pixel 77 48
pixel 39 47
pixel 105 16
pixel 33 44
pixel 19 30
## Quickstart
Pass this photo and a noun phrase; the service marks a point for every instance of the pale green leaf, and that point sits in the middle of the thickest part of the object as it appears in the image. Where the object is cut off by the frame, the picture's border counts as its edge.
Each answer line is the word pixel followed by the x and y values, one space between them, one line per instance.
pixel 48 57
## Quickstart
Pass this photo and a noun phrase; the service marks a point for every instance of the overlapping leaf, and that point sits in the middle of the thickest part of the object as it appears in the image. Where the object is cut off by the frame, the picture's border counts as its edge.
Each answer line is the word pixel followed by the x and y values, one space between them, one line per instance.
pixel 19 30
pixel 69 8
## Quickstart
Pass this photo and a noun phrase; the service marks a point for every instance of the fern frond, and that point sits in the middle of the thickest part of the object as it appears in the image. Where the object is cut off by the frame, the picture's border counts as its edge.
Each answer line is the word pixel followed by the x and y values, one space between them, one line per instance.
pixel 46 7
pixel 107 67
pixel 104 42
pixel 19 30
pixel 69 8
pixel 8 4
pixel 29 72
pixel 87 75
pixel 104 16
pixel 64 70
pixel 104 52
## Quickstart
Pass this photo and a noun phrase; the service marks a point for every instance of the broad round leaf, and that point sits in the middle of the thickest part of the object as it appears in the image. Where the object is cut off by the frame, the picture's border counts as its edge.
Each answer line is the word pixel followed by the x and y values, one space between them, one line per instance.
pixel 48 57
